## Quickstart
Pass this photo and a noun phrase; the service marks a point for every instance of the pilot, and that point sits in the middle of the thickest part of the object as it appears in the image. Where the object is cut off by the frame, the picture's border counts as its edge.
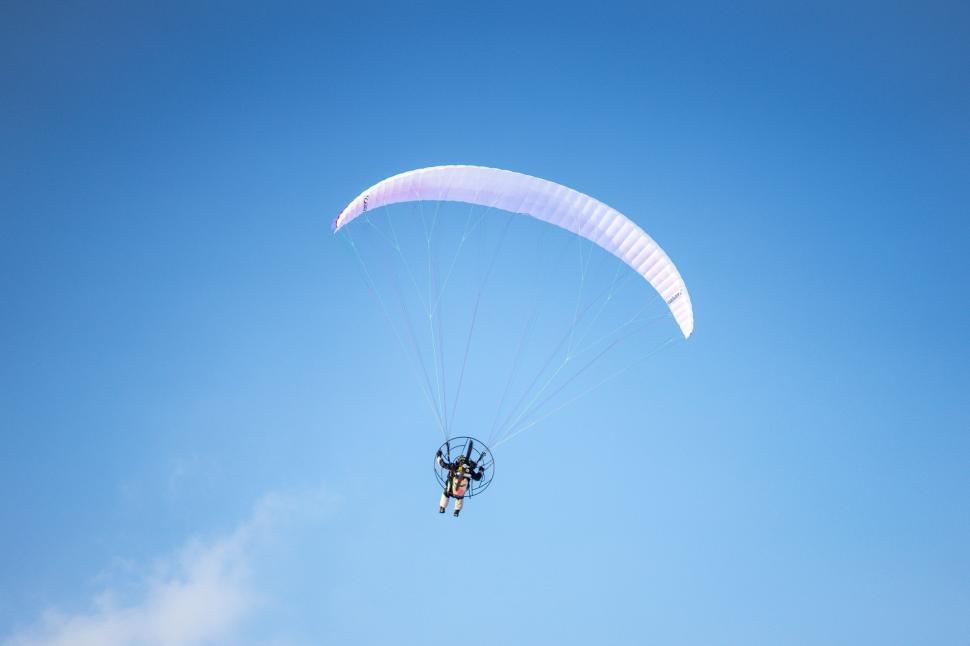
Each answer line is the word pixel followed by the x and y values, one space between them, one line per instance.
pixel 460 474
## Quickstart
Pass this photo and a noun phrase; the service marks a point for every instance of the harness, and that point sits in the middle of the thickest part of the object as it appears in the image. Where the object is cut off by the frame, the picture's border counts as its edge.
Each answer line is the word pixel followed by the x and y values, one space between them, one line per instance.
pixel 458 481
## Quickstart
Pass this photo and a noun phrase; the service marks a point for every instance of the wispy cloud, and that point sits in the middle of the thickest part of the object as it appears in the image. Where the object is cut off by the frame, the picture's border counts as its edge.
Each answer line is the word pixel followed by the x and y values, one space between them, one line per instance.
pixel 200 594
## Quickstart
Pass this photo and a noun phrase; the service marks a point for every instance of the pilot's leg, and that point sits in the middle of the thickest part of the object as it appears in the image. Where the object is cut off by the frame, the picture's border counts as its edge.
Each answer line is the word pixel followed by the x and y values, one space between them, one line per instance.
pixel 458 502
pixel 443 503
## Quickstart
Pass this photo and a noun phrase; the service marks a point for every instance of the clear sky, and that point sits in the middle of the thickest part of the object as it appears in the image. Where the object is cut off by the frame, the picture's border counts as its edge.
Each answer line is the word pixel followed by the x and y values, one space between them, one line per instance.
pixel 209 435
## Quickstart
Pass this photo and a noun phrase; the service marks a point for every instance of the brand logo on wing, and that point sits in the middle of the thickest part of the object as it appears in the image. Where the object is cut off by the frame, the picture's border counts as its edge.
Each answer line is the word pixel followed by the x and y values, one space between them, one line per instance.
pixel 336 222
pixel 670 301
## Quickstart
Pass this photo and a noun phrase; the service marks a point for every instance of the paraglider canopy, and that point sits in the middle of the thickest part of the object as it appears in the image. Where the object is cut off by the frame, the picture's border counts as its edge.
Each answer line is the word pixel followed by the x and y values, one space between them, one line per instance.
pixel 544 200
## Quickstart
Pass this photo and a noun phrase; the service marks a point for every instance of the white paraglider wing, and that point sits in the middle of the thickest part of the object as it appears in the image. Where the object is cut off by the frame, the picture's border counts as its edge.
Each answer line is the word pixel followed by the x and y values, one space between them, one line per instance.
pixel 543 200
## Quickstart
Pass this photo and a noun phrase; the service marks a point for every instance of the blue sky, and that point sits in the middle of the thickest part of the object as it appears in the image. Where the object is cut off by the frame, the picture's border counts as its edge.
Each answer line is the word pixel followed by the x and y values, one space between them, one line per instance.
pixel 198 395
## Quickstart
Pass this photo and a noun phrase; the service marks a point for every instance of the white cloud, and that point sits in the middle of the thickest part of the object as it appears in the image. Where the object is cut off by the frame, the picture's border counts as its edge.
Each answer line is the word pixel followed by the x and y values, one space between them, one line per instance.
pixel 201 594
